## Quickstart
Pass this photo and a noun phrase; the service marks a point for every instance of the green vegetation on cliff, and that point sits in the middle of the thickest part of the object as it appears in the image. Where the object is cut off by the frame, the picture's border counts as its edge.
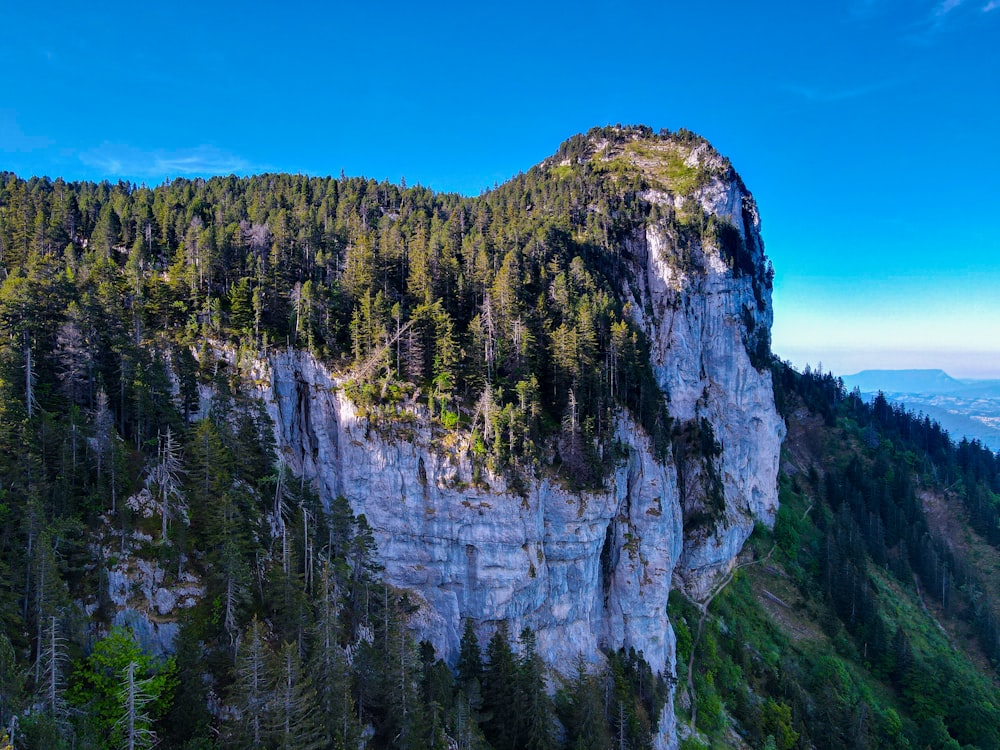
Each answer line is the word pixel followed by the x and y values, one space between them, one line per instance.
pixel 873 623
pixel 503 315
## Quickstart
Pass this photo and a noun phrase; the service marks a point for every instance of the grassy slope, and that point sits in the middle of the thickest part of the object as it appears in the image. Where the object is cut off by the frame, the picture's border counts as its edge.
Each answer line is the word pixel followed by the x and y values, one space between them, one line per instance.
pixel 777 667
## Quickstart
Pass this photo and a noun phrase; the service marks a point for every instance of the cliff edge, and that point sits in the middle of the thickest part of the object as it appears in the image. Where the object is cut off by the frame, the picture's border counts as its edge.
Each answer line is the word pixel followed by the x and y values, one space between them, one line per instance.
pixel 586 569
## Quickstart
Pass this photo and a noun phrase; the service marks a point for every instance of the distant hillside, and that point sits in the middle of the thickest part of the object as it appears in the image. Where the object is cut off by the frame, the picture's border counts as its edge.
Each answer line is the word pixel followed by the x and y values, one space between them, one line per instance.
pixel 966 408
pixel 903 381
pixel 869 617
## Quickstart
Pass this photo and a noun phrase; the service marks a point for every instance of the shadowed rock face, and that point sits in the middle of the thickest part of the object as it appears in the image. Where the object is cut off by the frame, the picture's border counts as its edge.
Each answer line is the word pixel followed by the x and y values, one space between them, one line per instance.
pixel 587 570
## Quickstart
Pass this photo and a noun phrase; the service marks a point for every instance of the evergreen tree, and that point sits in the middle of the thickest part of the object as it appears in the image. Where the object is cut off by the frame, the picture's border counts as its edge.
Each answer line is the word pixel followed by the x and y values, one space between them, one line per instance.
pixel 534 707
pixel 188 720
pixel 581 710
pixel 252 694
pixel 12 680
pixel 294 720
pixel 329 667
pixel 470 658
pixel 134 722
pixel 165 478
pixel 403 712
pixel 502 722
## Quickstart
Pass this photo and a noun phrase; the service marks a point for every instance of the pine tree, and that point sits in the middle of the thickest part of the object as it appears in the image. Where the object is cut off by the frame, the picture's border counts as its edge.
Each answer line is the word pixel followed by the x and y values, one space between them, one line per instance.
pixel 501 721
pixel 437 698
pixel 581 711
pixel 241 312
pixel 75 357
pixel 188 719
pixel 294 719
pixel 165 476
pixel 51 685
pixel 470 659
pixel 403 712
pixel 106 446
pixel 134 724
pixel 252 693
pixel 534 707
pixel 187 369
pixel 12 679
pixel 48 598
pixel 329 668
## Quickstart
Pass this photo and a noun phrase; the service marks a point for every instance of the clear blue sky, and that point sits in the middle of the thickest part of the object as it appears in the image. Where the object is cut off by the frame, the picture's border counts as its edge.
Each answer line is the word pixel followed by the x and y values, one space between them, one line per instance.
pixel 867 129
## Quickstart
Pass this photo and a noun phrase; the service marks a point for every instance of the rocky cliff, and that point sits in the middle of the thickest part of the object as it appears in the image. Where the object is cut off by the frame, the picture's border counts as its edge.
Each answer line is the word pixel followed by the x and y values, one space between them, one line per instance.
pixel 585 570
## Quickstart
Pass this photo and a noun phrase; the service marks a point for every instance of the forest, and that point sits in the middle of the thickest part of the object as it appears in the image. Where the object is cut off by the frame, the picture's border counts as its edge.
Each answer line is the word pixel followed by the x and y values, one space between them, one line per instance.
pixel 126 435
pixel 861 621
pixel 501 314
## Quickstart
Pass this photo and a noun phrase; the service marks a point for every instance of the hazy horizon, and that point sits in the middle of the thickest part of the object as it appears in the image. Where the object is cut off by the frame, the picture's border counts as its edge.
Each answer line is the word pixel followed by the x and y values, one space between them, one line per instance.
pixel 973 365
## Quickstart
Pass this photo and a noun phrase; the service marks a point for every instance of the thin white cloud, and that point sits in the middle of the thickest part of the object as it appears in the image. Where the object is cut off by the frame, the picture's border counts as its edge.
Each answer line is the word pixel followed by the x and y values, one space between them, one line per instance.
pixel 118 160
pixel 956 14
pixel 921 22
pixel 947 7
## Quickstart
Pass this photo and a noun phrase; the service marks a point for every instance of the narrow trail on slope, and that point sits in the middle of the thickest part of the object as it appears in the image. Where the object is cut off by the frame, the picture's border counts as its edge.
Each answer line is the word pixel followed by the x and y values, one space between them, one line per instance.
pixel 703 606
pixel 930 615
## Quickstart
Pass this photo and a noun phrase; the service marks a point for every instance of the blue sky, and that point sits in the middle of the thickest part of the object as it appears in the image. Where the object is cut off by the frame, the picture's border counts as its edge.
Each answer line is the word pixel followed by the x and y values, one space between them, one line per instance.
pixel 866 129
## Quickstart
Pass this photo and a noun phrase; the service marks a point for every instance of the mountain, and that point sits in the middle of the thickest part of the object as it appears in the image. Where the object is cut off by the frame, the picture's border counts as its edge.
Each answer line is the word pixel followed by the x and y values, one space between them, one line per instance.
pixel 315 462
pixel 520 407
pixel 966 408
pixel 585 567
pixel 931 382
pixel 870 616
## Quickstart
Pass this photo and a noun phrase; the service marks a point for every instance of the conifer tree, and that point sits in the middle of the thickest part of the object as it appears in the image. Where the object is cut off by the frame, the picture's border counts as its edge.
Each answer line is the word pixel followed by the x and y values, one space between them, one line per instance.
pixel 12 679
pixel 404 717
pixel 581 711
pixel 252 692
pixel 501 721
pixel 165 476
pixel 51 684
pixel 48 598
pixel 134 723
pixel 329 668
pixel 107 449
pixel 534 706
pixel 470 660
pixel 75 356
pixel 294 720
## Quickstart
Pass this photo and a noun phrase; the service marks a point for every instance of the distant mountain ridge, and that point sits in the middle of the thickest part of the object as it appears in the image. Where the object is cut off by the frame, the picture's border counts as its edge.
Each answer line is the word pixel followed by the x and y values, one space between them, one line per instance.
pixel 903 381
pixel 965 407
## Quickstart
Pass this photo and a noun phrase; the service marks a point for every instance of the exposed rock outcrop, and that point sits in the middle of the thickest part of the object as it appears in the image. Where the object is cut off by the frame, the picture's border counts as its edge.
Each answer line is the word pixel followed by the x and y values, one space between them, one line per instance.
pixel 585 570
pixel 139 593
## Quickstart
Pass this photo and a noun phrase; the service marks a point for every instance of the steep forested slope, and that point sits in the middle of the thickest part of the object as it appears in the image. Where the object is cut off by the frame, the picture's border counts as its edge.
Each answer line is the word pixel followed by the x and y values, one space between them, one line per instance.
pixel 868 618
pixel 162 570
pixel 140 484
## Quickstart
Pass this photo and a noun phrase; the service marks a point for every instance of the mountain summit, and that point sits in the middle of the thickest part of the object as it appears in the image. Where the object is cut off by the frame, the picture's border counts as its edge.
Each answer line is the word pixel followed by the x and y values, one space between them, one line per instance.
pixel 632 243
pixel 536 411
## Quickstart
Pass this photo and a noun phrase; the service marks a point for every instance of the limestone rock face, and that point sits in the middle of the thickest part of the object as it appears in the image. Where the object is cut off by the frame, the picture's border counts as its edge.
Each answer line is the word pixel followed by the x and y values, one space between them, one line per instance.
pixel 589 570
pixel 138 594
pixel 703 320
pixel 582 570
